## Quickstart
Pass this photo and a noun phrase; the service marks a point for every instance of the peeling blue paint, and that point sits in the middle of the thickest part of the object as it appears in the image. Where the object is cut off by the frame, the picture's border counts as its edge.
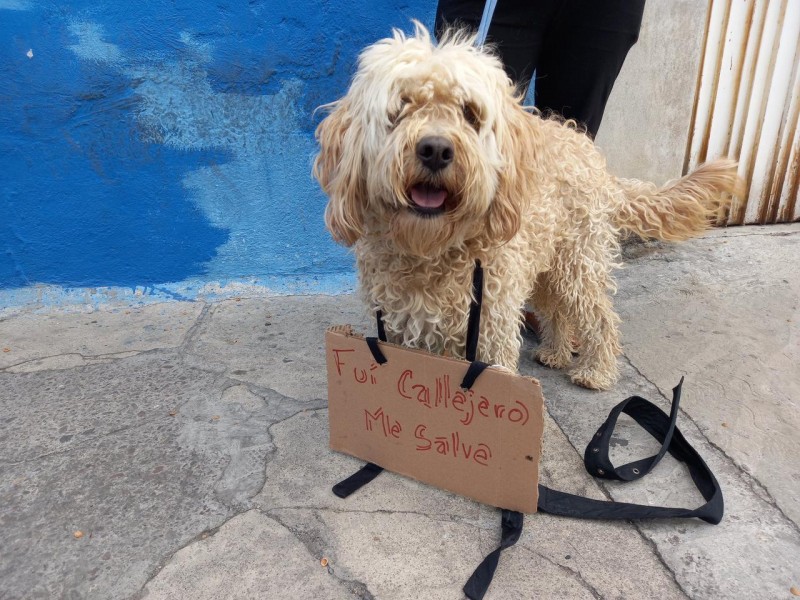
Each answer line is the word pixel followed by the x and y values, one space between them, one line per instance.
pixel 45 297
pixel 16 4
pixel 162 150
pixel 90 46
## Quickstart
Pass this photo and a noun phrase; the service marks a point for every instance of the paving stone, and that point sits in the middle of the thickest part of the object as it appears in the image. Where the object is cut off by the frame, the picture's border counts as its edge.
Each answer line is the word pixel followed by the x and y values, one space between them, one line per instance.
pixel 250 556
pixel 95 449
pixel 62 339
pixel 724 311
pixel 572 553
pixel 275 343
pixel 750 554
pixel 147 429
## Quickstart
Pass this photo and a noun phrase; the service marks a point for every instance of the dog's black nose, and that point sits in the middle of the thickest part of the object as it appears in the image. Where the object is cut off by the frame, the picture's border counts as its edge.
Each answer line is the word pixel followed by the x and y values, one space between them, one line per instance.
pixel 435 152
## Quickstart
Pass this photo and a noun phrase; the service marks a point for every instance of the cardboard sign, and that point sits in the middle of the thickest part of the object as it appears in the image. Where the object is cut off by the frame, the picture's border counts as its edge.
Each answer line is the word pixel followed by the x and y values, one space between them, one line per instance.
pixel 410 416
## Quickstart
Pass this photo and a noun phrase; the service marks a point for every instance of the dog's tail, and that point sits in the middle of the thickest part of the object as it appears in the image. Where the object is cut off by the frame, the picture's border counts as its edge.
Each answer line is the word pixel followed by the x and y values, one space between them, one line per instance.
pixel 681 209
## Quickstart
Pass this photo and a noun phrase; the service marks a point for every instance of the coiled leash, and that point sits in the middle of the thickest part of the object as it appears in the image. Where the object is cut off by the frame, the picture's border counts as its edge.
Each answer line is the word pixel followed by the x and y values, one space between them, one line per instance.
pixel 596 460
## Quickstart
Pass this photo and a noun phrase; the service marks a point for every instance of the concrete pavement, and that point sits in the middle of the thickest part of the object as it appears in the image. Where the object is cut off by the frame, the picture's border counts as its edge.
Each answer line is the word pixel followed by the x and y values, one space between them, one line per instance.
pixel 187 443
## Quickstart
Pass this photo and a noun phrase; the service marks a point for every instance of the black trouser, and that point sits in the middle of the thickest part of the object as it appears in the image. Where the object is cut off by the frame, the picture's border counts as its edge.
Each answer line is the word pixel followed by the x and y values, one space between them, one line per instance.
pixel 576 47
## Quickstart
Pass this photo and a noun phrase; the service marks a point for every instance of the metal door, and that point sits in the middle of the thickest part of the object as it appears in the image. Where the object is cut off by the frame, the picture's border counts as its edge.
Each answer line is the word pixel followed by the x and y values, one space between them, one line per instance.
pixel 747 104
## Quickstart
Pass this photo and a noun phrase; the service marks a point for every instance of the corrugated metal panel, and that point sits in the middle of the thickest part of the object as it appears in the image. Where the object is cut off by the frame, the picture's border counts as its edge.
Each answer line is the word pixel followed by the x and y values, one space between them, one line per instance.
pixel 747 104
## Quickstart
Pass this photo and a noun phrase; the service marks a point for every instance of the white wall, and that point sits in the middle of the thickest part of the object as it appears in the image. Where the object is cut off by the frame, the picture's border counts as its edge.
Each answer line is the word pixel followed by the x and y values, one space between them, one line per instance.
pixel 647 120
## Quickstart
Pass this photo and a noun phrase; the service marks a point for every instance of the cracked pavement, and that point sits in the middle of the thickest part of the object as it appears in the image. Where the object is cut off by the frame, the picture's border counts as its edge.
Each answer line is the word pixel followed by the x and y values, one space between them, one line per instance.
pixel 187 442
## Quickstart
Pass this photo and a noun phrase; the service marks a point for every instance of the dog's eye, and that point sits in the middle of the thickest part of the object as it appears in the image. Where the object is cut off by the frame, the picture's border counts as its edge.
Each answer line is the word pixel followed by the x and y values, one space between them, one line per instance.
pixel 472 116
pixel 396 115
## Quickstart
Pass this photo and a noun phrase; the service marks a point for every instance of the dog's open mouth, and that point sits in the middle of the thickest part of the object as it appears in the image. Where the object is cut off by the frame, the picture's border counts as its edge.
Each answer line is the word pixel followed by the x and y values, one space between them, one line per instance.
pixel 427 199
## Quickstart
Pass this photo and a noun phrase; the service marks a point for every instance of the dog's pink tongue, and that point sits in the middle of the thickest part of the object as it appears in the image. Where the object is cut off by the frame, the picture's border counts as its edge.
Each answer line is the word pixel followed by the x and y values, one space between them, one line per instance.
pixel 428 197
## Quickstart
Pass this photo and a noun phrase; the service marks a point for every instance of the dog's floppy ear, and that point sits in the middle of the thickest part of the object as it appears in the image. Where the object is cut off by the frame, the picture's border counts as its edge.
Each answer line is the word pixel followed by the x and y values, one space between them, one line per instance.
pixel 339 170
pixel 505 213
pixel 515 140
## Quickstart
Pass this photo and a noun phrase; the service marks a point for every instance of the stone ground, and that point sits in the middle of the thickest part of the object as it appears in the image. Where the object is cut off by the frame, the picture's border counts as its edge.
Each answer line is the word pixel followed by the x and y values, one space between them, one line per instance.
pixel 188 443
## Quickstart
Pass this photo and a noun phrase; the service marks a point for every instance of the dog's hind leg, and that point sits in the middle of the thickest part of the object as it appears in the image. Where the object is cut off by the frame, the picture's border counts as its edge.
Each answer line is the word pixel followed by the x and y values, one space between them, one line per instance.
pixel 555 350
pixel 579 283
pixel 599 335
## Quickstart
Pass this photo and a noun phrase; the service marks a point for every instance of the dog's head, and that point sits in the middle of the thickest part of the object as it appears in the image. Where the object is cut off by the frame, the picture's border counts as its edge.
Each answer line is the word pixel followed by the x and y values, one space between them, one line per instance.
pixel 426 146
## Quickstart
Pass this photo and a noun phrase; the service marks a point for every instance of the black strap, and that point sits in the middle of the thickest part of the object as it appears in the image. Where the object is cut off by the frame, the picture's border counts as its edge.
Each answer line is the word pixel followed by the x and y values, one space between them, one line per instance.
pixel 660 426
pixel 379 357
pixel 357 480
pixel 475 368
pixel 510 520
pixel 372 342
pixel 381 328
pixel 597 462
pixel 474 323
pixel 478 583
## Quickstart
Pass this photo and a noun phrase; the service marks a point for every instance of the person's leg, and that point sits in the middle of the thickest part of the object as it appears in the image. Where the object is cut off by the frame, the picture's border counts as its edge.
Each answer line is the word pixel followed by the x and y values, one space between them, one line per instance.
pixel 581 56
pixel 517 29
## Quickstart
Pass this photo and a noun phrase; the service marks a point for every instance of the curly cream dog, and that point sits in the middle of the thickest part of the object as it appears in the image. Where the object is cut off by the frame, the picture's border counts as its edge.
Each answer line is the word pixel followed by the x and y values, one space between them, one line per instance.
pixel 430 162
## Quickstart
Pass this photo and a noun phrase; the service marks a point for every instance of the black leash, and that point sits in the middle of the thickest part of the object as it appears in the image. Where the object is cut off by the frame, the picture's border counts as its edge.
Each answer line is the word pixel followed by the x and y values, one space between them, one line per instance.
pixel 596 460
pixel 658 424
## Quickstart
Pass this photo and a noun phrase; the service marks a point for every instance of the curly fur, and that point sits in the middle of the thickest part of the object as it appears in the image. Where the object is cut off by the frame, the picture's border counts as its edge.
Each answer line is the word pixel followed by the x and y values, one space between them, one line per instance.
pixel 530 197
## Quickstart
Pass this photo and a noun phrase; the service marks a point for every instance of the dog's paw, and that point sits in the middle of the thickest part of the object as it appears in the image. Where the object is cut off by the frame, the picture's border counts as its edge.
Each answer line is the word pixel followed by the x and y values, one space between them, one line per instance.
pixel 552 358
pixel 594 379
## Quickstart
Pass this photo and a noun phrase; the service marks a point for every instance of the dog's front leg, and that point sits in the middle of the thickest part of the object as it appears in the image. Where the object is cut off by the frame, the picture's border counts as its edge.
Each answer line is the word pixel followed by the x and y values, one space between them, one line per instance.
pixel 500 336
pixel 500 340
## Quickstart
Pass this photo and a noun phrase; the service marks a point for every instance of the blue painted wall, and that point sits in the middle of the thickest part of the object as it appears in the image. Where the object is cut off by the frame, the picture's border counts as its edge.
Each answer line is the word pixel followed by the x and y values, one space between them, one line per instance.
pixel 167 145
